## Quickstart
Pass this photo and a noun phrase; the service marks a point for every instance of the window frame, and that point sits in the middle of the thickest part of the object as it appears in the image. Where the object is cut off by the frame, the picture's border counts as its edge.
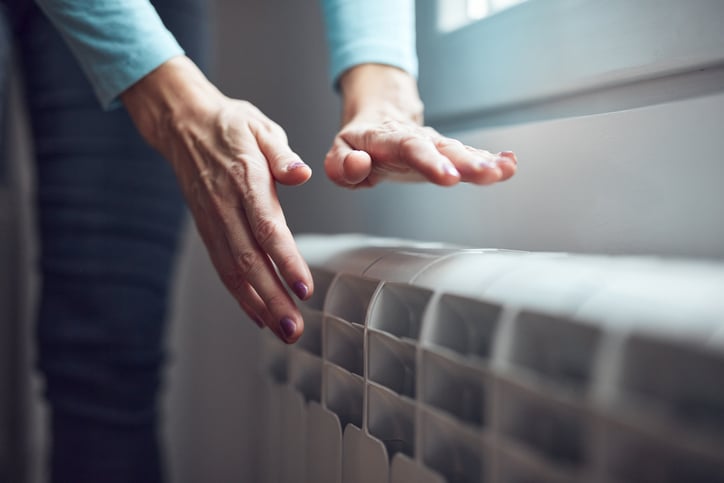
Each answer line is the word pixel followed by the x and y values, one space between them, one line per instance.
pixel 568 47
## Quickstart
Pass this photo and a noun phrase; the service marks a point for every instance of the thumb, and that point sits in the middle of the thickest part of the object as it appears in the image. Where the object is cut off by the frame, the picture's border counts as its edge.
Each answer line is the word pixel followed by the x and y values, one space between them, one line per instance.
pixel 285 165
pixel 346 166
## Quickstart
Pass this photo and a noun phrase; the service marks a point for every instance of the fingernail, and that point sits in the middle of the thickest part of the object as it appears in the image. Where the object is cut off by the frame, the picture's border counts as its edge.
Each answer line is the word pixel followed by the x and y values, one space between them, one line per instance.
pixel 300 289
pixel 259 323
pixel 288 327
pixel 450 169
pixel 295 165
pixel 509 155
pixel 486 164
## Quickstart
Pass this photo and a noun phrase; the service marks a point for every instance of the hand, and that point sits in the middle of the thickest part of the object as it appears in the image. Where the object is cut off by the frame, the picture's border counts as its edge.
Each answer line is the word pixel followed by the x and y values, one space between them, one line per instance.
pixel 382 138
pixel 227 156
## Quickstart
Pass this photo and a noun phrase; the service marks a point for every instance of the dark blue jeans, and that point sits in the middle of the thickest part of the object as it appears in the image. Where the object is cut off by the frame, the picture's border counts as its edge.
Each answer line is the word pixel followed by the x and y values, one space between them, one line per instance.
pixel 109 213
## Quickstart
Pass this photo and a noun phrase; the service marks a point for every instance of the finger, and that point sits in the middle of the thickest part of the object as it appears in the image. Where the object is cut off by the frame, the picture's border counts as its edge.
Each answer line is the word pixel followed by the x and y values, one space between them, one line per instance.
pixel 222 260
pixel 253 269
pixel 263 213
pixel 254 306
pixel 357 166
pixel 508 163
pixel 266 319
pixel 475 166
pixel 420 154
pixel 398 148
pixel 510 155
pixel 346 166
pixel 286 165
pixel 245 295
pixel 239 167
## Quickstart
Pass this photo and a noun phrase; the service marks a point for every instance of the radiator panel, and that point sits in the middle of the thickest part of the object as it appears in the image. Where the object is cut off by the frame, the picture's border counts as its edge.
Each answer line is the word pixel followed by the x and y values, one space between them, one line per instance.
pixel 430 363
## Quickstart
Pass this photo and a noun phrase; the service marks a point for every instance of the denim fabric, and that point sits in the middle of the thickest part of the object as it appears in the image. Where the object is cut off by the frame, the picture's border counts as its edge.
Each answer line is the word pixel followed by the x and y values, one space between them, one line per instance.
pixel 109 213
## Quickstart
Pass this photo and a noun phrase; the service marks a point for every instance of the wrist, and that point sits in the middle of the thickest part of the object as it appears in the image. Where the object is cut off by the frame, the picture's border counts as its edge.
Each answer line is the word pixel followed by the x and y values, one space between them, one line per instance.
pixel 374 89
pixel 174 91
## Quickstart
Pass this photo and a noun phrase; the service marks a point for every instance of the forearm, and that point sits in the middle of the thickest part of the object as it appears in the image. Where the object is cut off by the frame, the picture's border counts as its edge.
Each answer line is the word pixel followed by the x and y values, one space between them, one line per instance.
pixel 380 89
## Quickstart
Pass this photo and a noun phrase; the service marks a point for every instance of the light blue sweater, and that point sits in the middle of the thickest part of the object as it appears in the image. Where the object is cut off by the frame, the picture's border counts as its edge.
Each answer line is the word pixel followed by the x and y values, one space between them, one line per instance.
pixel 117 42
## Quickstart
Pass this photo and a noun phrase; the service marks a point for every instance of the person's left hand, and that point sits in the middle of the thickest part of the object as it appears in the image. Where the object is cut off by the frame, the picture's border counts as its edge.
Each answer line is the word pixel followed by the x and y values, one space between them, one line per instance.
pixel 382 138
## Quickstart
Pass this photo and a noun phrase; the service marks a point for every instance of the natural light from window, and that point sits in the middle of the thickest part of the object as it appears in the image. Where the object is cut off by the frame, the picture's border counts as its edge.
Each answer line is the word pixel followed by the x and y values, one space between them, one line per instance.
pixel 453 14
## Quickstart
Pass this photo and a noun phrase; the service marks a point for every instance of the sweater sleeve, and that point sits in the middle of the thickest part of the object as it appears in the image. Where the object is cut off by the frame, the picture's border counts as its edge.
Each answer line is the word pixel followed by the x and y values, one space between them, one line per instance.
pixel 370 31
pixel 116 42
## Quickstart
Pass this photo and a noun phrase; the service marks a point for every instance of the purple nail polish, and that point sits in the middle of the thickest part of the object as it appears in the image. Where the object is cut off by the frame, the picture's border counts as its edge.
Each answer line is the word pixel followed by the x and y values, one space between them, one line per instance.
pixel 301 289
pixel 288 327
pixel 259 323
pixel 295 165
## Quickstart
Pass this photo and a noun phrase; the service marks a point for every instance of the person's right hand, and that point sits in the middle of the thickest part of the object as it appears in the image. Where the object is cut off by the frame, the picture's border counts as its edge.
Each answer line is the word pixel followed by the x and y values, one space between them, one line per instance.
pixel 227 156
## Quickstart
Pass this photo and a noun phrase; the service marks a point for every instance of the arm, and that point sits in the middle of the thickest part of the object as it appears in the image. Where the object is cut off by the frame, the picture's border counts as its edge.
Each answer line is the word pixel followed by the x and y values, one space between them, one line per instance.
pixel 226 154
pixel 382 136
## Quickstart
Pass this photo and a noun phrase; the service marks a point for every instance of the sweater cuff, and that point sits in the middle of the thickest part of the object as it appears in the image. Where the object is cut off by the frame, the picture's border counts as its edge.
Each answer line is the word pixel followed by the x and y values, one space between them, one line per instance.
pixel 370 31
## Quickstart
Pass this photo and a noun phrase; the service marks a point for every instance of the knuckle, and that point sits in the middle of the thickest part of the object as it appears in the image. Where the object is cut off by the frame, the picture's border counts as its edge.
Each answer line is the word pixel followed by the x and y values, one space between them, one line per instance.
pixel 244 174
pixel 286 263
pixel 447 143
pixel 276 300
pixel 266 230
pixel 248 162
pixel 238 171
pixel 409 145
pixel 247 263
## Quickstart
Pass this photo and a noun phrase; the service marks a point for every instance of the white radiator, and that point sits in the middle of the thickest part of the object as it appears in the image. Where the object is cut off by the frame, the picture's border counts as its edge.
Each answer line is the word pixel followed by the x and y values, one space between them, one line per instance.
pixel 428 363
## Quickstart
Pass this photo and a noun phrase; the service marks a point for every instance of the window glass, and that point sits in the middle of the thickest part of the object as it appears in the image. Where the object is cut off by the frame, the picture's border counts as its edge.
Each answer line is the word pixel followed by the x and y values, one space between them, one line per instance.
pixel 453 14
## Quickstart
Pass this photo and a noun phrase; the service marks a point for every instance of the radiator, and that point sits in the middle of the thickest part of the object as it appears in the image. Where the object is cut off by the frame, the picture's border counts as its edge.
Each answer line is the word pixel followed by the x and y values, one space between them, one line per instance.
pixel 428 363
